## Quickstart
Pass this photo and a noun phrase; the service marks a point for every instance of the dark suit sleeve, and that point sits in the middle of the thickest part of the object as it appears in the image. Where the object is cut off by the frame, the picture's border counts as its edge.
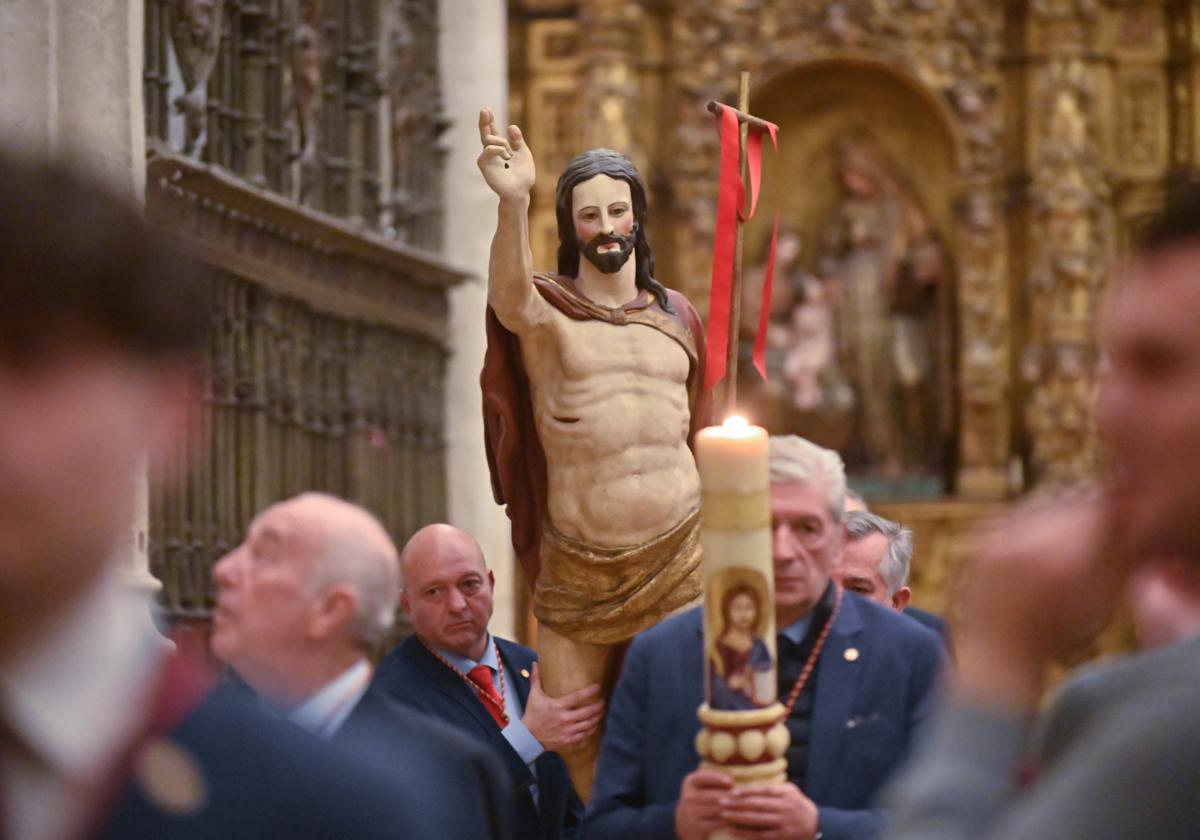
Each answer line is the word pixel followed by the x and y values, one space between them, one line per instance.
pixel 845 824
pixel 618 809
pixel 497 795
pixel 928 658
pixel 930 662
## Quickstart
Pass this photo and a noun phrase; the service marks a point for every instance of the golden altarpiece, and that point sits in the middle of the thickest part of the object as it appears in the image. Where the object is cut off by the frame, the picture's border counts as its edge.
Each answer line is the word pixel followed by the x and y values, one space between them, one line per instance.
pixel 1015 146
pixel 294 146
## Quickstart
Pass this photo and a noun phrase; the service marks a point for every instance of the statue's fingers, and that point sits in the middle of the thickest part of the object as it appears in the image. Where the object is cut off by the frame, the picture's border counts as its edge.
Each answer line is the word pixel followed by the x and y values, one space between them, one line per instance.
pixel 486 120
pixel 516 139
pixel 492 153
pixel 497 140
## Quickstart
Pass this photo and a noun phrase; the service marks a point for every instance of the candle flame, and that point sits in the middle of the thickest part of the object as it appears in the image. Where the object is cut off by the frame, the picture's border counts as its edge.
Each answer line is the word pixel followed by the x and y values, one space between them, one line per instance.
pixel 736 423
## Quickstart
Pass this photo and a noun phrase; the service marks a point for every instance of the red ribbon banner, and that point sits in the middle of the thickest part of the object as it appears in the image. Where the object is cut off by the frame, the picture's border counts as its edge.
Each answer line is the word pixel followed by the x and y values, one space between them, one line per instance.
pixel 729 201
pixel 730 208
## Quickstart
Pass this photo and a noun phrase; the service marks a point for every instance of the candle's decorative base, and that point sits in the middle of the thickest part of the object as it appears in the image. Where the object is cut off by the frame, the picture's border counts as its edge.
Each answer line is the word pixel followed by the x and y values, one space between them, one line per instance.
pixel 748 745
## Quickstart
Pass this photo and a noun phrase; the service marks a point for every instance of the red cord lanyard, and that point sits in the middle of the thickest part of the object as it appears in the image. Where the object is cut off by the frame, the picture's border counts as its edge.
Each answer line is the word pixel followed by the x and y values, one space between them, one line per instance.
pixel 811 663
pixel 479 690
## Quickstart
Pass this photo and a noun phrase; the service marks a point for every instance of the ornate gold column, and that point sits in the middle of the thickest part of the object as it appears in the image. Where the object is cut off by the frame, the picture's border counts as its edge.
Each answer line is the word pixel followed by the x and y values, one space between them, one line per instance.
pixel 1184 79
pixel 1071 232
pixel 610 90
pixel 973 86
pixel 544 100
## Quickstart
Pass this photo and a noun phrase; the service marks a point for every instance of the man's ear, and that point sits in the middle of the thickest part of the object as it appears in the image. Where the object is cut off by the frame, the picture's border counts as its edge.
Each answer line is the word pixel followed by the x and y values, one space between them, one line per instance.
pixel 900 598
pixel 404 605
pixel 335 609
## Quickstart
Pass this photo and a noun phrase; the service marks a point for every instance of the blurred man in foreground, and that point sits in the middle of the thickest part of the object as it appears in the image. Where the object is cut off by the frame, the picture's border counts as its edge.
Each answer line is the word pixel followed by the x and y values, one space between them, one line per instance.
pixel 1164 601
pixel 301 606
pixel 1118 753
pixel 102 733
pixel 454 669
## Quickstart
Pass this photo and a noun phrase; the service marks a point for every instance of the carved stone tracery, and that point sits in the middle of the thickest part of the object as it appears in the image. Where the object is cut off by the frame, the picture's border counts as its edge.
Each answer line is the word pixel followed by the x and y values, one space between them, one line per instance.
pixel 294 95
pixel 326 364
pixel 287 165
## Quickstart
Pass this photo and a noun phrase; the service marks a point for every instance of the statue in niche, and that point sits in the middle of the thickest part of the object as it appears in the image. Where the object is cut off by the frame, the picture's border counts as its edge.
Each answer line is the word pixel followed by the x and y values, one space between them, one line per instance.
pixel 807 336
pixel 305 107
pixel 888 269
pixel 593 387
pixel 196 36
pixel 804 389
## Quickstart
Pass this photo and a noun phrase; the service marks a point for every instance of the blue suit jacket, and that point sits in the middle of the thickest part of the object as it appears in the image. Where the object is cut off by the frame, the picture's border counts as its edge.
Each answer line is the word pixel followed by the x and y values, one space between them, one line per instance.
pixel 476 796
pixel 413 676
pixel 935 623
pixel 262 778
pixel 864 715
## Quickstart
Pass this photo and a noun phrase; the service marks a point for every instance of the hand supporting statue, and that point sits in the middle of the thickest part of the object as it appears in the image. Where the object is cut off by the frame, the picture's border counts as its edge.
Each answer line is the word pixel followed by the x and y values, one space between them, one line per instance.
pixel 506 162
pixel 562 722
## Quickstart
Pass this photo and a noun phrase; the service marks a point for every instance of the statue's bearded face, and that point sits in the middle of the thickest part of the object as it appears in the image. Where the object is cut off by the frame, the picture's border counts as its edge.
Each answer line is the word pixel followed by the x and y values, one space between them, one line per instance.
pixel 602 209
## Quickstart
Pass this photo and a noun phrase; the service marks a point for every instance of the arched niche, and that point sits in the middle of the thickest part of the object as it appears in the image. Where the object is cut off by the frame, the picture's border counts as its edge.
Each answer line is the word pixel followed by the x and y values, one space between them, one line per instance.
pixel 818 106
pixel 816 103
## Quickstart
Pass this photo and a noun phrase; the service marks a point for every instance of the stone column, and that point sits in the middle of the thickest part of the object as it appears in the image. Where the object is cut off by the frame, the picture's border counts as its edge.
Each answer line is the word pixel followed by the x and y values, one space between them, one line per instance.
pixel 71 85
pixel 474 74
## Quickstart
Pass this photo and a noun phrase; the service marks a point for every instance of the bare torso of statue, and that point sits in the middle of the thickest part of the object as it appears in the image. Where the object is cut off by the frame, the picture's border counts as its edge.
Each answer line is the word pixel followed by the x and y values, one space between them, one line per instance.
pixel 611 407
pixel 612 366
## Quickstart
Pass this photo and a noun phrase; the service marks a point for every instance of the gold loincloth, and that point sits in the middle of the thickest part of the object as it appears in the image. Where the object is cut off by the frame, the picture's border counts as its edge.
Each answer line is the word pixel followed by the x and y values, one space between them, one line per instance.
pixel 609 595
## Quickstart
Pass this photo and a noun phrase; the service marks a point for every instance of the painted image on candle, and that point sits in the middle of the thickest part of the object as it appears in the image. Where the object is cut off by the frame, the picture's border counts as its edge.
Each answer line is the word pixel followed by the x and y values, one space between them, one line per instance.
pixel 741 663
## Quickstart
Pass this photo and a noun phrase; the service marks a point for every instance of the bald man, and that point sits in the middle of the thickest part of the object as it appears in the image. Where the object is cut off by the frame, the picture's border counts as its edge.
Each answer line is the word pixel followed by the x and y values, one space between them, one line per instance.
pixel 453 668
pixel 301 604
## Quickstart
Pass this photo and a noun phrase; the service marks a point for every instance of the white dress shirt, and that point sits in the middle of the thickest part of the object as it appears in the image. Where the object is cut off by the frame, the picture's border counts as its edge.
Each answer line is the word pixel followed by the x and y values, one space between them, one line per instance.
pixel 323 713
pixel 73 699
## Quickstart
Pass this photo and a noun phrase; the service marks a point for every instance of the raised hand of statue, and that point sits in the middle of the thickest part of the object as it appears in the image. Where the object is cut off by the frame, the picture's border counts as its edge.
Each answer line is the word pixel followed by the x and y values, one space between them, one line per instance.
pixel 506 162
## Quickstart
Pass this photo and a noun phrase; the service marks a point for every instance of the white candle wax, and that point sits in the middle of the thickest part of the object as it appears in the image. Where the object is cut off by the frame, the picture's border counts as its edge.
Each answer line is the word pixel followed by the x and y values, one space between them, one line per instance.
pixel 732 458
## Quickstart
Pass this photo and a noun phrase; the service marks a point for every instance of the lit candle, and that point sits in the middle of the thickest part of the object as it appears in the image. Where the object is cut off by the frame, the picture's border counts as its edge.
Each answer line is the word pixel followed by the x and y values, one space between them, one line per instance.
pixel 732 458
pixel 742 733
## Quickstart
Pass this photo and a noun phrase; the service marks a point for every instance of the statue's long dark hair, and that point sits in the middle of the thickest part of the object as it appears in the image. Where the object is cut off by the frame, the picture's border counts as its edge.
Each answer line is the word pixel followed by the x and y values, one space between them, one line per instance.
pixel 588 165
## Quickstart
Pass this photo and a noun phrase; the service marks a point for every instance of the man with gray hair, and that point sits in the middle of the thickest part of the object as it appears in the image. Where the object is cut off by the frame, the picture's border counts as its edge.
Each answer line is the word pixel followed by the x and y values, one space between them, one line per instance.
pixel 876 559
pixel 875 563
pixel 858 680
pixel 302 604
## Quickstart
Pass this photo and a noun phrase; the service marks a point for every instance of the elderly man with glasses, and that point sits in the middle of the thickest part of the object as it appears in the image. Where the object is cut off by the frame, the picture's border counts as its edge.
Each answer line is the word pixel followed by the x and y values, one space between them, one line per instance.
pixel 853 720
